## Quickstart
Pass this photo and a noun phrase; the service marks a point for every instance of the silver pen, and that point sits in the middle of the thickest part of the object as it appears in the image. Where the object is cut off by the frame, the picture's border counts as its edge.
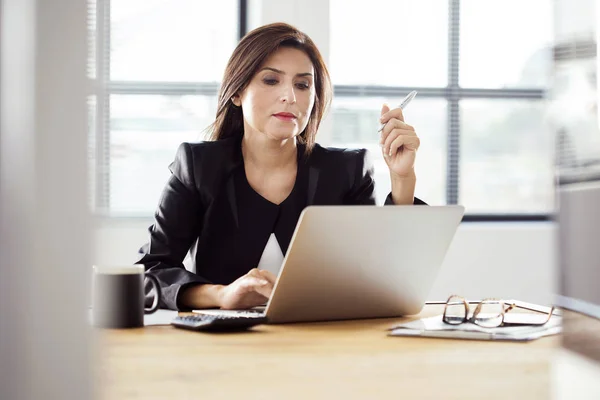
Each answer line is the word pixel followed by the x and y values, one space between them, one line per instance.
pixel 402 105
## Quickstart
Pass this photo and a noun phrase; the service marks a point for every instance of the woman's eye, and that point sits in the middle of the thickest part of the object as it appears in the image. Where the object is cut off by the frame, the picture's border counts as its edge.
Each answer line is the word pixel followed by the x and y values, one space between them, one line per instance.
pixel 269 81
pixel 303 85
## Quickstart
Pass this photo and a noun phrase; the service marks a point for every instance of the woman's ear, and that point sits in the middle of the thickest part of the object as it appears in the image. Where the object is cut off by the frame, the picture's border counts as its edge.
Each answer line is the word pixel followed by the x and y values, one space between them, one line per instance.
pixel 235 99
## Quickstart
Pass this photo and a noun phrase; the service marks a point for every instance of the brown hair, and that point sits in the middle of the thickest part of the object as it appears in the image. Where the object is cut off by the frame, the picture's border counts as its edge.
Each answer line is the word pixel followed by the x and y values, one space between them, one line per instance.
pixel 248 56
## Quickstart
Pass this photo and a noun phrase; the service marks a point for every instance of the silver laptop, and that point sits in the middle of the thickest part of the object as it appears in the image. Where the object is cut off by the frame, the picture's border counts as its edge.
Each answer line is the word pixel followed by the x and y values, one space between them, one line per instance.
pixel 352 262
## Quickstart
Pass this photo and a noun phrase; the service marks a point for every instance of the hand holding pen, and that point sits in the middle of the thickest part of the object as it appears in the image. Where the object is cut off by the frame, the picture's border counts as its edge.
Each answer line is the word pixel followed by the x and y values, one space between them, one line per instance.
pixel 402 105
pixel 398 139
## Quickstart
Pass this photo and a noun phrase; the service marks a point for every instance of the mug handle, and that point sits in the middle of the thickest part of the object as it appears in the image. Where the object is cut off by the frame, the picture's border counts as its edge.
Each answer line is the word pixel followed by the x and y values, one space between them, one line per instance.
pixel 157 295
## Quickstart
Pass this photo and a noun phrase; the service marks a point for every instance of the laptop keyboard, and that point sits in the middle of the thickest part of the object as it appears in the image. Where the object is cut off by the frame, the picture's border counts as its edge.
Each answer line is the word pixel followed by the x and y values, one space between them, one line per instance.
pixel 251 313
pixel 245 313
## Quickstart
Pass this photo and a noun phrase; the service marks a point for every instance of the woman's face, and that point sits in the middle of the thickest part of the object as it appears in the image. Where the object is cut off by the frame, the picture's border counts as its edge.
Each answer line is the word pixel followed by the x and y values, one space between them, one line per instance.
pixel 279 99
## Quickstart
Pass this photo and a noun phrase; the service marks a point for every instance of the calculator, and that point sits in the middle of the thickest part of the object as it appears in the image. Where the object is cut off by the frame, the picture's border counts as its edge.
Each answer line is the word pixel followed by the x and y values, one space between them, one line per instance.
pixel 217 323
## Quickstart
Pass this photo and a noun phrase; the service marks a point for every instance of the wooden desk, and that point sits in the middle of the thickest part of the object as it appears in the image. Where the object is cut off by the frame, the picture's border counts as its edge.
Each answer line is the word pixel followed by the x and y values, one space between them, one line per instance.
pixel 347 359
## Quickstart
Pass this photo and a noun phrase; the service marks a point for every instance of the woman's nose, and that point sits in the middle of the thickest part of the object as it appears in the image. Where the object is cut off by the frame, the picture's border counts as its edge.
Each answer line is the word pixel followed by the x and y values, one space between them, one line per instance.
pixel 288 95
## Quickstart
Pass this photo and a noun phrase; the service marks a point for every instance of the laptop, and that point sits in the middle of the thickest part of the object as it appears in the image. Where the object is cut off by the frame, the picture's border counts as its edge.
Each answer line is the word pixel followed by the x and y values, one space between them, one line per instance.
pixel 355 262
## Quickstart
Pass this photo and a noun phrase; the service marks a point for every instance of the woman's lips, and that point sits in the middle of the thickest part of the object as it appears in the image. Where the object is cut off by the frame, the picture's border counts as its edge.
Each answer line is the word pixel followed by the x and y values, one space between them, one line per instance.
pixel 285 116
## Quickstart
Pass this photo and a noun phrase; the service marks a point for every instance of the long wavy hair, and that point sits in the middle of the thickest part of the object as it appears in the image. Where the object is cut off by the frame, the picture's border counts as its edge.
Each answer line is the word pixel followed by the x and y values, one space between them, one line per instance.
pixel 247 58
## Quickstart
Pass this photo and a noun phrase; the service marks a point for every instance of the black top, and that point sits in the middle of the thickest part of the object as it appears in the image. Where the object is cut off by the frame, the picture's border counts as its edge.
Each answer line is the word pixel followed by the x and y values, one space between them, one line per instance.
pixel 258 219
pixel 209 208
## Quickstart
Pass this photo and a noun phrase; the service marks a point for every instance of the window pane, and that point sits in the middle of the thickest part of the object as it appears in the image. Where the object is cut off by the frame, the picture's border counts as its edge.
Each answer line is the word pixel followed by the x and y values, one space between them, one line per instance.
pixel 505 157
pixel 505 43
pixel 355 122
pixel 172 40
pixel 145 133
pixel 396 43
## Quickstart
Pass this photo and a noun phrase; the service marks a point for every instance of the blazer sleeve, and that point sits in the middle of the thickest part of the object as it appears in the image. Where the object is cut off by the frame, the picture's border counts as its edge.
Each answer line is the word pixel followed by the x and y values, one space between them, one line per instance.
pixel 362 191
pixel 178 219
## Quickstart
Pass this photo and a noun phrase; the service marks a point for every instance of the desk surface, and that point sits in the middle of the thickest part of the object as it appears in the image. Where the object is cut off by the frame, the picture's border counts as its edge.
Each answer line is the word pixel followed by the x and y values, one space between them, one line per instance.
pixel 346 359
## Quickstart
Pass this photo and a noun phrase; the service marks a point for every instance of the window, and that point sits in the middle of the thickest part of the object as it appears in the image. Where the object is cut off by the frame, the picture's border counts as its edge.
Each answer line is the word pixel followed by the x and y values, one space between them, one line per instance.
pixel 506 157
pixel 355 124
pixel 145 133
pixel 498 54
pixel 156 67
pixel 389 42
pixel 171 41
pixel 480 109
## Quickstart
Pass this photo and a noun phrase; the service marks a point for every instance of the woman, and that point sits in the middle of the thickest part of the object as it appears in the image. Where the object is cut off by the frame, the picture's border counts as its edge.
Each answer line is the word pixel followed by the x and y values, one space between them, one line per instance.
pixel 235 200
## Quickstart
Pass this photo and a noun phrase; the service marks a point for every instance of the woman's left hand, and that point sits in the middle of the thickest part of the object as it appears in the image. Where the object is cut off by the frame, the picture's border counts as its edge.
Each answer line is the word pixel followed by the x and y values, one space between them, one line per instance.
pixel 400 143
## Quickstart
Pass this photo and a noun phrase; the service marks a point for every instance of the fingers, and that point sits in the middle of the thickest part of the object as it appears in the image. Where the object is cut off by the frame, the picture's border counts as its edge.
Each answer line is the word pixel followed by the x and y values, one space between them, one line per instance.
pixel 268 275
pixel 384 109
pixel 264 290
pixel 249 283
pixel 255 284
pixel 389 114
pixel 411 143
pixel 395 124
pixel 391 134
pixel 257 281
pixel 260 281
pixel 249 290
pixel 262 274
pixel 237 300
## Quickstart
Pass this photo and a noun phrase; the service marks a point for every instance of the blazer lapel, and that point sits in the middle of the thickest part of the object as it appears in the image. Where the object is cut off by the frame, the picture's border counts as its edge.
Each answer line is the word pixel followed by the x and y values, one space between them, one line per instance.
pixel 314 172
pixel 236 161
pixel 313 179
pixel 232 201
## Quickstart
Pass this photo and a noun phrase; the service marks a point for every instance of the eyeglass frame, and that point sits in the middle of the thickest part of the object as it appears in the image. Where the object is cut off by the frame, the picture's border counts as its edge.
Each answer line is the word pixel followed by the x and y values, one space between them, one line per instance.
pixel 472 319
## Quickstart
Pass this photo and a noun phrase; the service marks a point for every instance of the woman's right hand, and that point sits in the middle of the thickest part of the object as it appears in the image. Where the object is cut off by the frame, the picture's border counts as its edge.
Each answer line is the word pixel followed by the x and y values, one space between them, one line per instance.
pixel 250 290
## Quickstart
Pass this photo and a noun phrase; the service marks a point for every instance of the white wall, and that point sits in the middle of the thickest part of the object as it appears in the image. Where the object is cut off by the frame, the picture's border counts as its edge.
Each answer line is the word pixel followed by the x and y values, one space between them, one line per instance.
pixel 507 260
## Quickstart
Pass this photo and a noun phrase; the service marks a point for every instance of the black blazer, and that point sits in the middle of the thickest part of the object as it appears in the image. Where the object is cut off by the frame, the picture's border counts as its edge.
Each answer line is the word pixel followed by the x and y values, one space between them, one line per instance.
pixel 199 201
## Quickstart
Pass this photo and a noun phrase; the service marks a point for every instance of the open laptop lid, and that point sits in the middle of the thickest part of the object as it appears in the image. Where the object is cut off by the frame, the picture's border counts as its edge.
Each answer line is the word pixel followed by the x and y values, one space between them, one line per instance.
pixel 347 262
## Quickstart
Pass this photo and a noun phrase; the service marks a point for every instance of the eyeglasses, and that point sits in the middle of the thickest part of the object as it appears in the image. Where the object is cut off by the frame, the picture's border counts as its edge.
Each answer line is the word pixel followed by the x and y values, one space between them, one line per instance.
pixel 491 313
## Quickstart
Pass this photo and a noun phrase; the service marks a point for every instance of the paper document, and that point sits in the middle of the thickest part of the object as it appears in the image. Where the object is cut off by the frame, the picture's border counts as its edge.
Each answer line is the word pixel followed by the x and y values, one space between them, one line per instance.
pixel 435 327
pixel 160 317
